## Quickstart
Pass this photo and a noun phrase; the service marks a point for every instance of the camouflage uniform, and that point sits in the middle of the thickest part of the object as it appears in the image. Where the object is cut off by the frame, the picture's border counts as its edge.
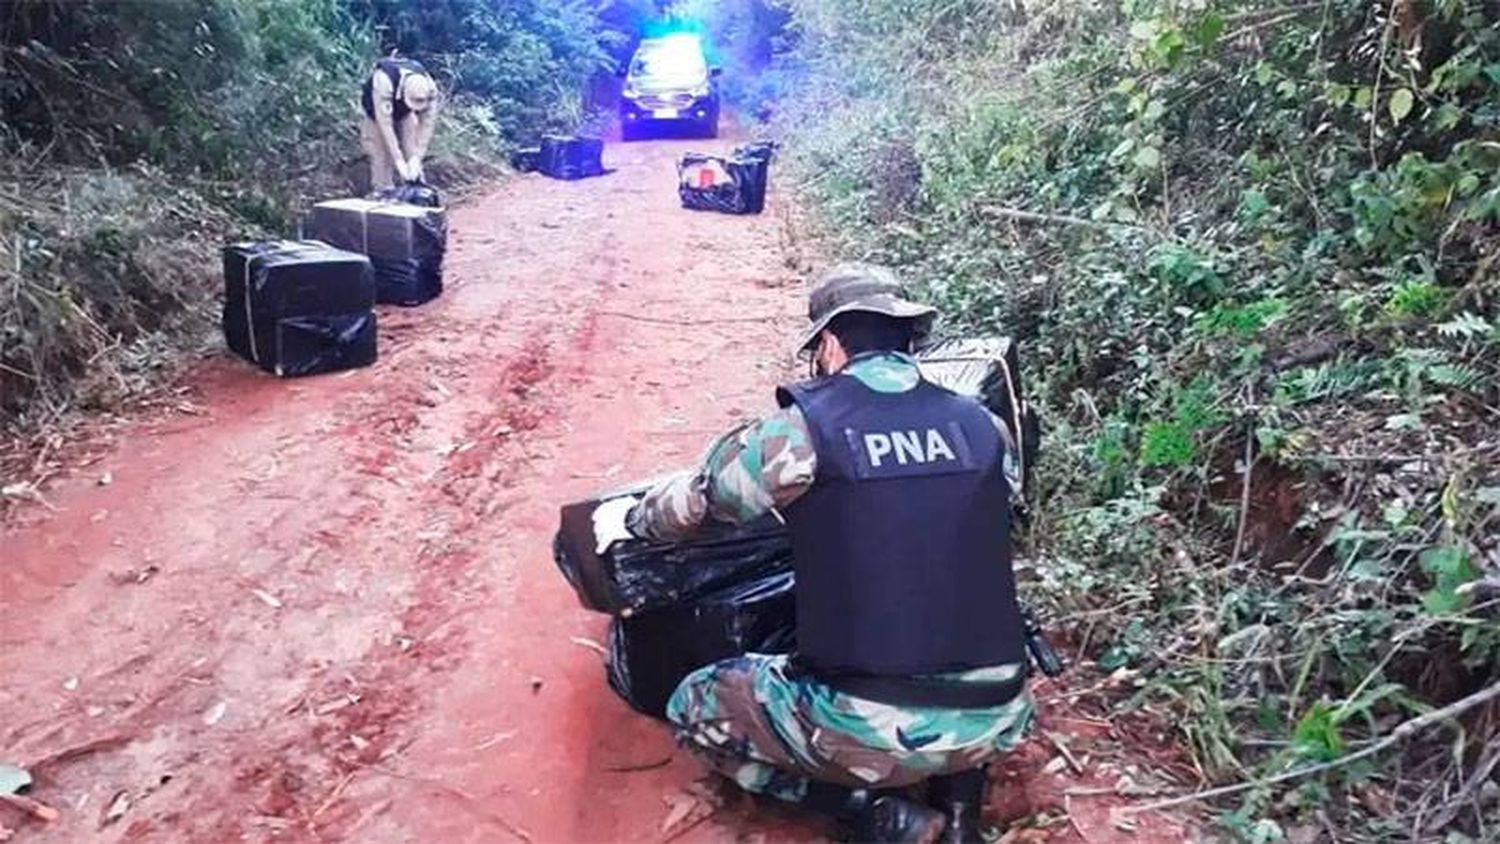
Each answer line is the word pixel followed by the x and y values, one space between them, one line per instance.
pixel 753 718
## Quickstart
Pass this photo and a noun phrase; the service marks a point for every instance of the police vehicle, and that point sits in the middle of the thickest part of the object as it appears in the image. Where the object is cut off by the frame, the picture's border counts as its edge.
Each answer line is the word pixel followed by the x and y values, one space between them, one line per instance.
pixel 669 81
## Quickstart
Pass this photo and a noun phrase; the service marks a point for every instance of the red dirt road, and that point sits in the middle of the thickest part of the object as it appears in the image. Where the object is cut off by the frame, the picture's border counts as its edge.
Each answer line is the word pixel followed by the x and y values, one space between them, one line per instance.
pixel 326 609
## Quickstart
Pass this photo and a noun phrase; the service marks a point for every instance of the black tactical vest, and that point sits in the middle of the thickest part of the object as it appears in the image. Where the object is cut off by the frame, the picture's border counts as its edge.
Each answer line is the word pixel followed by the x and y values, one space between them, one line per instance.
pixel 902 545
pixel 392 69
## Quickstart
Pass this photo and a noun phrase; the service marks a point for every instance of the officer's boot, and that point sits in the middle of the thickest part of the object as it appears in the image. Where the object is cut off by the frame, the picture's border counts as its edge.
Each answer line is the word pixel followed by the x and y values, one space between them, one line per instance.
pixel 960 797
pixel 875 816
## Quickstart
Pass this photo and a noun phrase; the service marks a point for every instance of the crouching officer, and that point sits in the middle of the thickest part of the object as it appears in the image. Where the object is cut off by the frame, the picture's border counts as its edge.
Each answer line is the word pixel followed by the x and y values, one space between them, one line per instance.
pixel 400 102
pixel 911 656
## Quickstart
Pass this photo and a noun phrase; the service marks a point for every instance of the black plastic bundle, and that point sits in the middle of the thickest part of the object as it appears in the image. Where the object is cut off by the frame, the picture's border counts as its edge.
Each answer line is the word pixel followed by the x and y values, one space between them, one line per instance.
pixel 989 368
pixel 419 194
pixel 758 150
pixel 650 653
pixel 298 307
pixel 567 157
pixel 635 576
pixel 405 244
pixel 526 159
pixel 730 185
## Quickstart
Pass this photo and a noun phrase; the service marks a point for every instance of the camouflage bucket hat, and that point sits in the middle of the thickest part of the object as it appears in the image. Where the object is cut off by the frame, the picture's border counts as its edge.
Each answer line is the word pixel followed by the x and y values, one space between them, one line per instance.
pixel 861 287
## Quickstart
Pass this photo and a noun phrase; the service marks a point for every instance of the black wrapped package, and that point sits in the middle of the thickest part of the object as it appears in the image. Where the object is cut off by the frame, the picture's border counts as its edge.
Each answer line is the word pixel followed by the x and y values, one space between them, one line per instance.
pixel 298 307
pixel 650 653
pixel 732 185
pixel 526 159
pixel 420 194
pixel 566 157
pixel 634 576
pixel 405 244
pixel 989 368
pixel 756 150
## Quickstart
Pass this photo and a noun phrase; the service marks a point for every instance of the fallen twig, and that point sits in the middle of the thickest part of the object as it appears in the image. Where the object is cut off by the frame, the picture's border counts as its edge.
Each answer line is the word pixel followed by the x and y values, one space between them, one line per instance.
pixel 582 642
pixel 68 754
pixel 1061 219
pixel 333 797
pixel 1066 753
pixel 643 766
pixel 1239 534
pixel 669 321
pixel 1476 780
pixel 34 808
pixel 1403 731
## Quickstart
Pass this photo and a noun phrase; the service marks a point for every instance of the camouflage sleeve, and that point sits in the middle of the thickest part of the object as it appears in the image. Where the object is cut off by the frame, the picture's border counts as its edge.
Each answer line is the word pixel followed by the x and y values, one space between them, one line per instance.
pixel 758 466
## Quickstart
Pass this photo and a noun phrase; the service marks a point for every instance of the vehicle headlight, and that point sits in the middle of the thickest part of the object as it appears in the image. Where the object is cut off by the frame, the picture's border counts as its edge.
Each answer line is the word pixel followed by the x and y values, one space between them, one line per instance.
pixel 700 91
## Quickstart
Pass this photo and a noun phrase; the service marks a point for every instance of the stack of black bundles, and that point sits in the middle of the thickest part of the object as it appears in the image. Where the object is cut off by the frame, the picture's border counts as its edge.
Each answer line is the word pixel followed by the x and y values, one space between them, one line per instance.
pixel 730 185
pixel 567 157
pixel 405 244
pixel 728 590
pixel 298 307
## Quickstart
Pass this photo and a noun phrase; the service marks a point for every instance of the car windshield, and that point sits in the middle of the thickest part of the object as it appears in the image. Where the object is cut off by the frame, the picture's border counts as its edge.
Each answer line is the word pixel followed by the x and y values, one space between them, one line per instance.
pixel 670 60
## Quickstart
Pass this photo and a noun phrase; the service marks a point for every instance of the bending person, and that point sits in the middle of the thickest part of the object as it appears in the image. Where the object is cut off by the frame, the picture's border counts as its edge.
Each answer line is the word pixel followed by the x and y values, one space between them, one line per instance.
pixel 401 105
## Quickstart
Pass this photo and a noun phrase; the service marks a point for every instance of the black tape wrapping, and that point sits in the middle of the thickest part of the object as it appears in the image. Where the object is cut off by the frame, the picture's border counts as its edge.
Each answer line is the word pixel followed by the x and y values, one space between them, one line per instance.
pixel 636 576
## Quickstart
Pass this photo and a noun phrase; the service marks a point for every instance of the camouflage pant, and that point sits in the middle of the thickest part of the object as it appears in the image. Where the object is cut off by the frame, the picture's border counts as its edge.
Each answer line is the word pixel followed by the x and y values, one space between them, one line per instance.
pixel 772 734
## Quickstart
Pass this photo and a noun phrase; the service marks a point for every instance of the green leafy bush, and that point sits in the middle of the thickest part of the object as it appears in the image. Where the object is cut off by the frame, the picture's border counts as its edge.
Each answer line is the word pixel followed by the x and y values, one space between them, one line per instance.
pixel 1208 222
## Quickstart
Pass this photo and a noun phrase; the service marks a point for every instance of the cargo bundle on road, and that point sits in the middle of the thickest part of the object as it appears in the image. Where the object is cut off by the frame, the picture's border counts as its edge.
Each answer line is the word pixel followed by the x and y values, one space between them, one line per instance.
pixel 405 244
pixel 732 184
pixel 299 307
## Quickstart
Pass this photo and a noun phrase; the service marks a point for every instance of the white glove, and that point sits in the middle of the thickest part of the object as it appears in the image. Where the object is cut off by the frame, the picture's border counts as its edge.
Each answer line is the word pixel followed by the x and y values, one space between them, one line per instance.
pixel 609 522
pixel 403 169
pixel 414 168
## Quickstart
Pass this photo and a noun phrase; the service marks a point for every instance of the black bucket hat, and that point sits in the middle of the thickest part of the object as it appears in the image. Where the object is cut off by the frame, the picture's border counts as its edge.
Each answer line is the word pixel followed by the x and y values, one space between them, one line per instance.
pixel 862 287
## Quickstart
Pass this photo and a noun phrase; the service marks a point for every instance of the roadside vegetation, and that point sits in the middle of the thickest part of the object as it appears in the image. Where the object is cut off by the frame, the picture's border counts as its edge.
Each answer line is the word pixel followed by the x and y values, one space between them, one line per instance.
pixel 139 136
pixel 1249 247
pixel 1250 250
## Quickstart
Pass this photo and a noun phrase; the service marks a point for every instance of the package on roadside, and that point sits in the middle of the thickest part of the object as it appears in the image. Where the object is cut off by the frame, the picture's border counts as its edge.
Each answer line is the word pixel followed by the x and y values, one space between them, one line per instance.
pixel 568 157
pixel 526 159
pixel 405 244
pixel 756 150
pixel 989 368
pixel 298 307
pixel 650 653
pixel 635 576
pixel 420 194
pixel 734 184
